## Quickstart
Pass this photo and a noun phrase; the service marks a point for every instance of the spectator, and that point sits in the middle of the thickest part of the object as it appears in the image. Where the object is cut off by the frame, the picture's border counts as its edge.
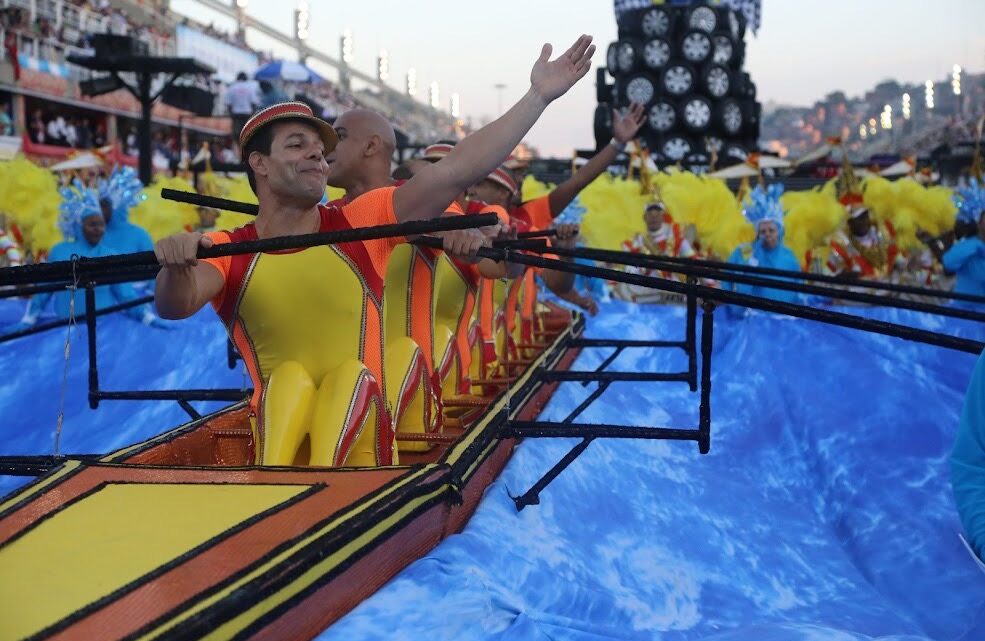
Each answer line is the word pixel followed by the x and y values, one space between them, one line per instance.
pixel 6 123
pixel 57 131
pixel 71 133
pixel 36 130
pixel 242 99
pixel 85 134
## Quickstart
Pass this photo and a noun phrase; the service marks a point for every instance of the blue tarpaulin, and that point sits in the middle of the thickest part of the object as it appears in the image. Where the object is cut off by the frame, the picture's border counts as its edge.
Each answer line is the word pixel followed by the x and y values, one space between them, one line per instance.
pixel 823 510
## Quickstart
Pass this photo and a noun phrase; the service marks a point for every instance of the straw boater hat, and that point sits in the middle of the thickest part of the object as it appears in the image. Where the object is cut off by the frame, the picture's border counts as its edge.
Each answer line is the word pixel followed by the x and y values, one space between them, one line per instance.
pixel 503 177
pixel 437 151
pixel 282 111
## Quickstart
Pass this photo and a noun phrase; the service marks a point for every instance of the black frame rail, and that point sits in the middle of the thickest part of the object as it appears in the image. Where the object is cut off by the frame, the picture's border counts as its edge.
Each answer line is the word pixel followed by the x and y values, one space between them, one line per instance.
pixel 588 432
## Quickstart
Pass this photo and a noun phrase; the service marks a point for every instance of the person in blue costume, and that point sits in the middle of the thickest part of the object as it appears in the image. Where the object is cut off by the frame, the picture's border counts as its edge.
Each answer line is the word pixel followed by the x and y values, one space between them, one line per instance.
pixel 117 194
pixel 766 213
pixel 968 461
pixel 84 229
pixel 966 258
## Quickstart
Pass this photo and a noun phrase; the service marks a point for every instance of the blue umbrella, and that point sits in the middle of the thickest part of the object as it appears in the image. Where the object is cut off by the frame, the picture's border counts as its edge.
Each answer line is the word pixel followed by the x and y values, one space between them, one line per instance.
pixel 287 70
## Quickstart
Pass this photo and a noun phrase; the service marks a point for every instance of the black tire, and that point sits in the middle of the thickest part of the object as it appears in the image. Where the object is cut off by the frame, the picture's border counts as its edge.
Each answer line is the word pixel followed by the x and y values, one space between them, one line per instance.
pixel 729 118
pixel 751 112
pixel 733 152
pixel 716 81
pixel 627 56
pixel 657 22
pixel 724 50
pixel 713 144
pixel 702 17
pixel 611 63
pixel 678 79
pixel 697 159
pixel 746 88
pixel 603 91
pixel 662 116
pixel 639 87
pixel 656 54
pixel 696 113
pixel 696 46
pixel 676 147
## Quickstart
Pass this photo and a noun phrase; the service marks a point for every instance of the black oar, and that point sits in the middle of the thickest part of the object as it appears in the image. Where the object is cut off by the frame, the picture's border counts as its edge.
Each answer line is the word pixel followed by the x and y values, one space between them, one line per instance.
pixel 660 261
pixel 640 260
pixel 742 300
pixel 214 202
pixel 81 269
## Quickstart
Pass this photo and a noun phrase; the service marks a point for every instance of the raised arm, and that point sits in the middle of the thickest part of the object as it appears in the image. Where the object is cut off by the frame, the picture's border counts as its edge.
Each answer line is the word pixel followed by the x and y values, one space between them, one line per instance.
pixel 434 186
pixel 624 129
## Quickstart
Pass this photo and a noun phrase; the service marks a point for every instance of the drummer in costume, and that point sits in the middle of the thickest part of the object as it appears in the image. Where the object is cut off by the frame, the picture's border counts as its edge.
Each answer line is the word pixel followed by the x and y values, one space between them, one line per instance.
pixel 863 248
pixel 309 323
pixel 663 237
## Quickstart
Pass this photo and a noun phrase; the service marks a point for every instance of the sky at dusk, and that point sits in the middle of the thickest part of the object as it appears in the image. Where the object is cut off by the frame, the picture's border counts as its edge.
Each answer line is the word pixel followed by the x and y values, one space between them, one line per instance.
pixel 803 49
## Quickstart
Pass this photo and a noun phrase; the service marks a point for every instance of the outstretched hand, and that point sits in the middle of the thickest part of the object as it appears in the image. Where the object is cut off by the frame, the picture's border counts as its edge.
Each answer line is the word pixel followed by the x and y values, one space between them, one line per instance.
pixel 551 79
pixel 625 126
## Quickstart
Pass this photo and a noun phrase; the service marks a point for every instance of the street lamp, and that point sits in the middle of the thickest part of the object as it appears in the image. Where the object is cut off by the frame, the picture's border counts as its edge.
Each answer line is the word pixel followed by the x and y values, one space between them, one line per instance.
pixel 455 105
pixel 886 119
pixel 956 80
pixel 383 66
pixel 928 93
pixel 434 97
pixel 347 46
pixel 906 106
pixel 862 133
pixel 412 82
pixel 302 21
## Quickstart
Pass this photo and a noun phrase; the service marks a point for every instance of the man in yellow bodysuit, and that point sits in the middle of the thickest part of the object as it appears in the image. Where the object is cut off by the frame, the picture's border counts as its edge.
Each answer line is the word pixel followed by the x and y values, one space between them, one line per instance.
pixel 309 323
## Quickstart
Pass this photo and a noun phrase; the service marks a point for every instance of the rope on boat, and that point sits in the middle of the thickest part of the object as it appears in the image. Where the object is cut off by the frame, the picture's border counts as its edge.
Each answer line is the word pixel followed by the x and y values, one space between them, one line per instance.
pixel 60 421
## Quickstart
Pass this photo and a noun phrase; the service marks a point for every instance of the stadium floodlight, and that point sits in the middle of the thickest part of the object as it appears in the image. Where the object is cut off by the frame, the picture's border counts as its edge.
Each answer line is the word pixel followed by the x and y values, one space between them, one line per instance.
pixel 455 105
pixel 906 106
pixel 928 93
pixel 956 80
pixel 886 118
pixel 347 46
pixel 383 66
pixel 862 133
pixel 872 126
pixel 434 95
pixel 412 82
pixel 302 21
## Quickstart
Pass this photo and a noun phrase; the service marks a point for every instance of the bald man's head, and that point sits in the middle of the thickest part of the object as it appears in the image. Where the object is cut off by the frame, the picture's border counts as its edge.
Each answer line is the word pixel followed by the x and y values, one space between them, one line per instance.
pixel 366 145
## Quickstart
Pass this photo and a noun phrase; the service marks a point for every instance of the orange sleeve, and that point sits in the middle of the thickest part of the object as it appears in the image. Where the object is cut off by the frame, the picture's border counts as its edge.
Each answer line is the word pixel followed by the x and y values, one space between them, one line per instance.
pixel 539 210
pixel 454 208
pixel 221 264
pixel 369 210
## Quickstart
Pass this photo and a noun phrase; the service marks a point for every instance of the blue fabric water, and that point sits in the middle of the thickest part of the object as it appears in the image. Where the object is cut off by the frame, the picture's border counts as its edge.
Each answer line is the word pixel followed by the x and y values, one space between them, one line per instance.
pixel 823 511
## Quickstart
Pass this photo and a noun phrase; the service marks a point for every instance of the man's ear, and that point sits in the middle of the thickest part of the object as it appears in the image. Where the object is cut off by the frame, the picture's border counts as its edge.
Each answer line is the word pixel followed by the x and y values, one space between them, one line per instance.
pixel 257 163
pixel 372 145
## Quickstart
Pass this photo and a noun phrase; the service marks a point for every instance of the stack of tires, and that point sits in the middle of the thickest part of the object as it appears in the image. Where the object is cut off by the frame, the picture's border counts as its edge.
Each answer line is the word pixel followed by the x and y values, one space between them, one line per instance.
pixel 685 64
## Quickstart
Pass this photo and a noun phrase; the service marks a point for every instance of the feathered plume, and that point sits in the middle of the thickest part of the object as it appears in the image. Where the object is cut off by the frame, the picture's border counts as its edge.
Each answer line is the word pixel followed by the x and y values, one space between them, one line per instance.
pixel 78 203
pixel 765 205
pixel 124 190
pixel 970 201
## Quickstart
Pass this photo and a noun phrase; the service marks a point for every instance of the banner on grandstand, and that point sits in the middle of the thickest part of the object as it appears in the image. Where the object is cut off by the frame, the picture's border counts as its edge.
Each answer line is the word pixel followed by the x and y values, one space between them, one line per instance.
pixel 227 59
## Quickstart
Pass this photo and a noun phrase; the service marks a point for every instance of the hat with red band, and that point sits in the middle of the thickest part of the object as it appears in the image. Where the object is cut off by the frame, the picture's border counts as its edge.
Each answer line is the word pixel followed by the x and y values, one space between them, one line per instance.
pixel 283 111
pixel 503 177
pixel 437 151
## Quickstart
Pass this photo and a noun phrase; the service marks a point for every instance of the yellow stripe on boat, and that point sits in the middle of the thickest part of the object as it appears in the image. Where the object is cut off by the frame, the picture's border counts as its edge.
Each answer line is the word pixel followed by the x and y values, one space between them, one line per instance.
pixel 112 537
pixel 341 556
pixel 56 476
